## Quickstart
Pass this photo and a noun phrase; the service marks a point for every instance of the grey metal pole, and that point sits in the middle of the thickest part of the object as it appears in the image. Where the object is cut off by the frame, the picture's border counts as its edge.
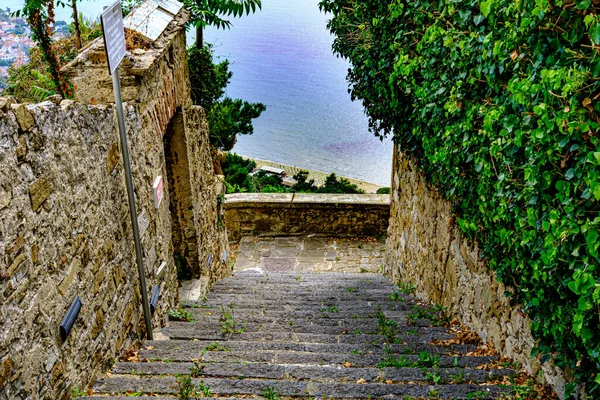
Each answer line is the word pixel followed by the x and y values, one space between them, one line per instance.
pixel 131 198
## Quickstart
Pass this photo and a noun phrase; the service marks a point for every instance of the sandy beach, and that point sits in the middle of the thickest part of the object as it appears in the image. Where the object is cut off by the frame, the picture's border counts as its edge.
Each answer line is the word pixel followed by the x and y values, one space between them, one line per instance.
pixel 318 176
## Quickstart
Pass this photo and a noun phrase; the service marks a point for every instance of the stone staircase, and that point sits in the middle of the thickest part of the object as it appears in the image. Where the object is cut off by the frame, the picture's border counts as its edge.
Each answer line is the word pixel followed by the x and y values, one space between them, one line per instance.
pixel 307 335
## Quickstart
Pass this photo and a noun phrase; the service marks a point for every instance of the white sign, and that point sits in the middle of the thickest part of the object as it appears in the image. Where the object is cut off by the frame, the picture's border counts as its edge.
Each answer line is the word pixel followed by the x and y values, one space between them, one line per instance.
pixel 158 191
pixel 114 35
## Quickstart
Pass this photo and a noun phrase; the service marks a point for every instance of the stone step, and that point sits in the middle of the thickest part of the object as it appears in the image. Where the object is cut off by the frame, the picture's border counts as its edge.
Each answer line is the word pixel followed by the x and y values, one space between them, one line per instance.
pixel 229 387
pixel 296 305
pixel 301 357
pixel 318 316
pixel 252 276
pixel 425 336
pixel 306 336
pixel 309 372
pixel 165 348
pixel 241 325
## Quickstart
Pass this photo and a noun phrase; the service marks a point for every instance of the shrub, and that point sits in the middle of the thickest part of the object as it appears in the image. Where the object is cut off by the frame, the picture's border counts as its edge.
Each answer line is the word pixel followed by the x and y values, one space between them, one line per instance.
pixel 497 102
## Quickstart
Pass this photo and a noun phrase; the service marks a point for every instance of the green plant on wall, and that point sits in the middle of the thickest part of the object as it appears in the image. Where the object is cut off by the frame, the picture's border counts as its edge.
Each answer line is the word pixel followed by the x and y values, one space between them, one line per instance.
pixel 497 102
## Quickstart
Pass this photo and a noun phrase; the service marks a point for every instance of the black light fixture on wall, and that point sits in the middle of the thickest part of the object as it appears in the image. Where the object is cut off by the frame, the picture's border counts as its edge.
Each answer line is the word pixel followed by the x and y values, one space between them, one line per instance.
pixel 154 299
pixel 67 323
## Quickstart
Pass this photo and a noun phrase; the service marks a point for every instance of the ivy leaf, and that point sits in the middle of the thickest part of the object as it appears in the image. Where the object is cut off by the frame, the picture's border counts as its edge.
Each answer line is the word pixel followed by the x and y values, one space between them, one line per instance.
pixel 485 7
pixel 595 33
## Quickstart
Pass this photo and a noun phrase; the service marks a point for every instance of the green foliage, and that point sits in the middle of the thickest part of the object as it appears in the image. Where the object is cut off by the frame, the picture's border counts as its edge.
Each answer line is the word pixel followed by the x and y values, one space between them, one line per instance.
pixel 29 83
pixel 497 102
pixel 229 118
pixel 228 323
pixel 237 172
pixel 332 184
pixel 207 79
pixel 181 315
pixel 226 117
pixel 383 190
pixel 211 12
pixel 32 82
pixel 271 393
pixel 186 390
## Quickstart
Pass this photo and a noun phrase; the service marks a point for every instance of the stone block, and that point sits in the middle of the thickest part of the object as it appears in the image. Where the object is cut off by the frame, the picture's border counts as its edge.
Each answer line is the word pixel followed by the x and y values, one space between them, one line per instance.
pixel 24 117
pixel 39 191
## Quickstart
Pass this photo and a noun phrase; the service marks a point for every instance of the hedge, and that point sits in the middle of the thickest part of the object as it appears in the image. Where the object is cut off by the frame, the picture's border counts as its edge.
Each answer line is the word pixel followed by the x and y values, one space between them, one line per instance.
pixel 498 103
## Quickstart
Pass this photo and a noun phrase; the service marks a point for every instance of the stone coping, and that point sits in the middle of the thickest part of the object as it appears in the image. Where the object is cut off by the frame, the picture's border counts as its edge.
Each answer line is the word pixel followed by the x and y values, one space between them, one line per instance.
pixel 292 200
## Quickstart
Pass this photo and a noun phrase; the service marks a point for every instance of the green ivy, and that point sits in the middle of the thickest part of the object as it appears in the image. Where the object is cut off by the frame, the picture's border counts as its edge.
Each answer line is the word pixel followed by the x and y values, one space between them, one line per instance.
pixel 497 101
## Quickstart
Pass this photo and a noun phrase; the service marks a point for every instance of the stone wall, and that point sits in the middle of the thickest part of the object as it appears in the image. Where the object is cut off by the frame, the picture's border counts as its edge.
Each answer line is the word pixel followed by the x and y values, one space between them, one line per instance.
pixel 65 229
pixel 426 248
pixel 65 232
pixel 272 214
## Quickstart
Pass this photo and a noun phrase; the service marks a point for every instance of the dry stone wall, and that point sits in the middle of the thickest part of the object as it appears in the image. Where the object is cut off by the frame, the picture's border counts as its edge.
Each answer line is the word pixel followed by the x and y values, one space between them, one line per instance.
pixel 425 247
pixel 272 214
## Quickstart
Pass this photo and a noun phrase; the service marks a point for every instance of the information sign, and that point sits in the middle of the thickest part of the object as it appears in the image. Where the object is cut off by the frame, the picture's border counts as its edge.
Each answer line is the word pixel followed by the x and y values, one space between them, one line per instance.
pixel 114 35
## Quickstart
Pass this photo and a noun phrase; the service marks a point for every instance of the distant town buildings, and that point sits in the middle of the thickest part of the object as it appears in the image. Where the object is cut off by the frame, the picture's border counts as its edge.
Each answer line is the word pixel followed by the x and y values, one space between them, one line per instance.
pixel 15 42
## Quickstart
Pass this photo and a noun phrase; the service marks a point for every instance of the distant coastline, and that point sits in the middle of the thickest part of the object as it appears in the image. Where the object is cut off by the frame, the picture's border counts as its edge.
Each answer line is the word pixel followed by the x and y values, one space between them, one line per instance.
pixel 318 176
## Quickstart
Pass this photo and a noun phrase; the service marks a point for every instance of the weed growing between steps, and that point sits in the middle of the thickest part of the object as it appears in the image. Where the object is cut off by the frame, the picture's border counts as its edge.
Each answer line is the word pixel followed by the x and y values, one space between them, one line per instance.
pixel 186 390
pixel 228 323
pixel 181 315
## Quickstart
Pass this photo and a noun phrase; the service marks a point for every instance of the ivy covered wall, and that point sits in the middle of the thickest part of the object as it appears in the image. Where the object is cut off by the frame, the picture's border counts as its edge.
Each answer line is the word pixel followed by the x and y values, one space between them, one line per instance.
pixel 497 103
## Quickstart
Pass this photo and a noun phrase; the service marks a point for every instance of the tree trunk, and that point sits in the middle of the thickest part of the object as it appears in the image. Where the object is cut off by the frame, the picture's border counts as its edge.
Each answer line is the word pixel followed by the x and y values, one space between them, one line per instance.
pixel 76 24
pixel 41 34
pixel 199 35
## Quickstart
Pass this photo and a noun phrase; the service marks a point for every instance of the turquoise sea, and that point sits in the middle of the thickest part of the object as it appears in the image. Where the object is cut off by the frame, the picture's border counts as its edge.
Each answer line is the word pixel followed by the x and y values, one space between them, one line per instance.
pixel 281 56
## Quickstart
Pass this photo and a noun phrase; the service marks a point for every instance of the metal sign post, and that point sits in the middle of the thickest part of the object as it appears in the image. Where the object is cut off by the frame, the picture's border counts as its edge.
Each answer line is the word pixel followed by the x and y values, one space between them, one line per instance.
pixel 114 43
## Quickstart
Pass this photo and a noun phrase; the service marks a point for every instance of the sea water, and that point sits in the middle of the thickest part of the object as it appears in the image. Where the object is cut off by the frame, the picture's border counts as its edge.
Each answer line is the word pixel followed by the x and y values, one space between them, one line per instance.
pixel 281 56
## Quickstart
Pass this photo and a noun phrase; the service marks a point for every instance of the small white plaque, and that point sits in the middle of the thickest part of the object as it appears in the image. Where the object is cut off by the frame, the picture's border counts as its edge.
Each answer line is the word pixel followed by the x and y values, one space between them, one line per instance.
pixel 161 269
pixel 158 191
pixel 114 35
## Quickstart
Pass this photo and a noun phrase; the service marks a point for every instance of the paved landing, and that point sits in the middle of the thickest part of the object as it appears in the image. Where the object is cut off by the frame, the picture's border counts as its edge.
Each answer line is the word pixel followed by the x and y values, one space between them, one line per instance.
pixel 283 334
pixel 310 254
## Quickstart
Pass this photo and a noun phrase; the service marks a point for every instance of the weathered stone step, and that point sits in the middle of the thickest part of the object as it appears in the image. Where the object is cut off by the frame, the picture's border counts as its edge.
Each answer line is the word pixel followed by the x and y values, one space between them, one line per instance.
pixel 251 276
pixel 317 317
pixel 306 372
pixel 301 357
pixel 191 334
pixel 167 385
pixel 206 328
pixel 359 306
pixel 335 290
pixel 299 280
pixel 179 349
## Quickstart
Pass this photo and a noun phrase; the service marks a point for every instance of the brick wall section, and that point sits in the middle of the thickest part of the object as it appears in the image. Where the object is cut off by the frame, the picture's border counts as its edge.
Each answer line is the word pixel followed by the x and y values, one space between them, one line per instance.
pixel 426 248
pixel 343 215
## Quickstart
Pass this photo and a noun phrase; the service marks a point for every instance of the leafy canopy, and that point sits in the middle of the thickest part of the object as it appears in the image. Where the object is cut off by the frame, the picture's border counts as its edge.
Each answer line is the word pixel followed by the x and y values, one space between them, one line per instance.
pixel 497 102
pixel 213 12
pixel 226 117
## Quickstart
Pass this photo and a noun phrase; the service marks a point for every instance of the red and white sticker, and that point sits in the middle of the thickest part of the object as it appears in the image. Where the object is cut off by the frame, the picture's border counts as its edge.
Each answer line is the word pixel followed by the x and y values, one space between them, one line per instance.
pixel 158 191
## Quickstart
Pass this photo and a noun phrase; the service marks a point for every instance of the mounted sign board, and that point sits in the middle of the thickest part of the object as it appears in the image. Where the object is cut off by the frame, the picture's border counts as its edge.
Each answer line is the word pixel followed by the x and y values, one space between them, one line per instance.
pixel 114 35
pixel 158 191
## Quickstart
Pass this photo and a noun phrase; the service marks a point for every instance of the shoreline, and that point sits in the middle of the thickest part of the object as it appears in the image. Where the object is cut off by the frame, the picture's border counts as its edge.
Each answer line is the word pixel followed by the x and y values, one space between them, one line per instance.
pixel 318 176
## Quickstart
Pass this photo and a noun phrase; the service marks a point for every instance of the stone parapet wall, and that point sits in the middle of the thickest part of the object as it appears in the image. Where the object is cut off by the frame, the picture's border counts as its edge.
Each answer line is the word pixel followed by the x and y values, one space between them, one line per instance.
pixel 426 248
pixel 272 214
